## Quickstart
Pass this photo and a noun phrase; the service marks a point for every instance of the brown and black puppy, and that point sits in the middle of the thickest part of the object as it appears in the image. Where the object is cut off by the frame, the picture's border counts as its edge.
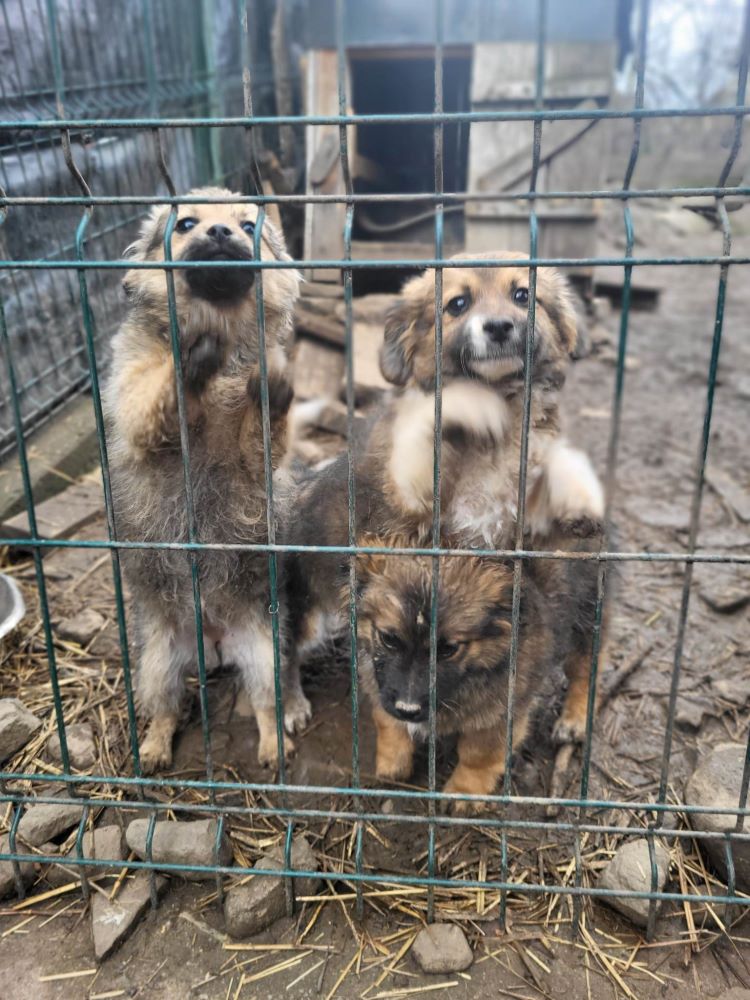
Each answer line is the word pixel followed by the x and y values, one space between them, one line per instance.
pixel 485 320
pixel 473 653
pixel 217 320
pixel 557 619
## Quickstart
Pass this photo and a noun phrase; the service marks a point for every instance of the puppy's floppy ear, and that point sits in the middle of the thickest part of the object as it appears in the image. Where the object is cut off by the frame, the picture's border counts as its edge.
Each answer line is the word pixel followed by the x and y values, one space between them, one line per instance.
pixel 395 363
pixel 150 238
pixel 370 564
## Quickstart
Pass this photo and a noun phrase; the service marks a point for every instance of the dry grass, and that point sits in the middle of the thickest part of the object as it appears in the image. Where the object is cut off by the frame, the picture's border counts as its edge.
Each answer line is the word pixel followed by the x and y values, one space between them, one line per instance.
pixel 92 690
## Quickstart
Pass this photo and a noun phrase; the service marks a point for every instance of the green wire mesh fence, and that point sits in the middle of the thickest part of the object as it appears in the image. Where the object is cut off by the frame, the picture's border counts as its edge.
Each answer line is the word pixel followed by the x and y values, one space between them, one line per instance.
pixel 157 120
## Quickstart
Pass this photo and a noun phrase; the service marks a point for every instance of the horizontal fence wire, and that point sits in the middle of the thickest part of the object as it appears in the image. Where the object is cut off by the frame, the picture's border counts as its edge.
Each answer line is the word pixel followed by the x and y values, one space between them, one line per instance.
pixel 159 118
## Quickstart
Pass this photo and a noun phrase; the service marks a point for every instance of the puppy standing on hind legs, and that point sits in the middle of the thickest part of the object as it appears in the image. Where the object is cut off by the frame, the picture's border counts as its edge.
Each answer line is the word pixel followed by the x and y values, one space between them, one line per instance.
pixel 217 320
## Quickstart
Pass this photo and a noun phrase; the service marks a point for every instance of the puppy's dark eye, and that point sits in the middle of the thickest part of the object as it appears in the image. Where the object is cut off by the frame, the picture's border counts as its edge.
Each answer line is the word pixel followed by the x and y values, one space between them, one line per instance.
pixel 248 227
pixel 446 650
pixel 388 640
pixel 521 296
pixel 185 225
pixel 458 304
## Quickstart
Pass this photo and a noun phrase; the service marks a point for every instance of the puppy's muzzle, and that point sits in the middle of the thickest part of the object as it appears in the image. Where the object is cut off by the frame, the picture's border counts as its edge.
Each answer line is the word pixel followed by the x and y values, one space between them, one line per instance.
pixel 499 331
pixel 410 711
pixel 219 285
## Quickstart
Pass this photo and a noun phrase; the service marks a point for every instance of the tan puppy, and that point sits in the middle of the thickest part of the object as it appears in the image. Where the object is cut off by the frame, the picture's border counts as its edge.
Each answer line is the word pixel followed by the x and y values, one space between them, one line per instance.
pixel 217 320
pixel 485 319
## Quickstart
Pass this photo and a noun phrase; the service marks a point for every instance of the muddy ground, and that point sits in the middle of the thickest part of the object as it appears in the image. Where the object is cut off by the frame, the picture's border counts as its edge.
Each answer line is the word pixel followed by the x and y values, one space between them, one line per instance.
pixel 168 956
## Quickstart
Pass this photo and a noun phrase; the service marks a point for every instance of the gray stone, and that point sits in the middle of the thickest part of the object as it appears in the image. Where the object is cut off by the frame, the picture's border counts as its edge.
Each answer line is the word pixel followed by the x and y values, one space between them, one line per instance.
pixel 81 746
pixel 82 628
pixel 726 600
pixel 251 908
pixel 17 726
pixel 12 607
pixel 735 689
pixel 108 844
pixel 716 784
pixel 658 513
pixel 725 589
pixel 442 948
pixel 7 877
pixel 46 821
pixel 192 843
pixel 630 870
pixel 112 921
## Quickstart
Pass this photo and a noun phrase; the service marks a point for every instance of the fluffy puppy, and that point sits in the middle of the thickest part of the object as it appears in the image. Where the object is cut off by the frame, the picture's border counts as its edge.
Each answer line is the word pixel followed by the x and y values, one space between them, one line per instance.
pixel 217 320
pixel 558 604
pixel 485 332
pixel 474 628
pixel 473 652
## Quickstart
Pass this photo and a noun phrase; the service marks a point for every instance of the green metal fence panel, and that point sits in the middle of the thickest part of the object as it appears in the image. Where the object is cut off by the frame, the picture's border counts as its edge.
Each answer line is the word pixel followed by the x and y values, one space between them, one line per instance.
pixel 160 95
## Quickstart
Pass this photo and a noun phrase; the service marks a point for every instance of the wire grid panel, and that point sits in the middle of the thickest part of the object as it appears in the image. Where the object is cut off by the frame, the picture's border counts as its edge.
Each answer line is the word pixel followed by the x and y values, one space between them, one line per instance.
pixel 69 116
pixel 144 68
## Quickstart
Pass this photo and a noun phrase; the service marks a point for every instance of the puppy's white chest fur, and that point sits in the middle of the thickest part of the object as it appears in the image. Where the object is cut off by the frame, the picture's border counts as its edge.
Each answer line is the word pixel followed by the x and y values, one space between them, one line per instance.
pixel 484 506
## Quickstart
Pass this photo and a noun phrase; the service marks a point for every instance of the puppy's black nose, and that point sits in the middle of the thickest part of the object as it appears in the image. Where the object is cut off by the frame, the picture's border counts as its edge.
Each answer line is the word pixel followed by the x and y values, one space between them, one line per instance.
pixel 498 330
pixel 219 233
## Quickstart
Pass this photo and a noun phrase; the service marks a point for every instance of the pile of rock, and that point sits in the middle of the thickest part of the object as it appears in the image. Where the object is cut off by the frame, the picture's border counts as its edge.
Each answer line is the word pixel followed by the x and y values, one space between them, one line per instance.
pixel 715 785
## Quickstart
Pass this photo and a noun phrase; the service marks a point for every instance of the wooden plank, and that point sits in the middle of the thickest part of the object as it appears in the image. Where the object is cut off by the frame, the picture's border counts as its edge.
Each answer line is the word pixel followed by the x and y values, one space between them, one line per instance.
pixel 397 249
pixel 324 224
pixel 506 71
pixel 324 326
pixel 500 159
pixel 322 290
pixel 318 369
pixel 62 515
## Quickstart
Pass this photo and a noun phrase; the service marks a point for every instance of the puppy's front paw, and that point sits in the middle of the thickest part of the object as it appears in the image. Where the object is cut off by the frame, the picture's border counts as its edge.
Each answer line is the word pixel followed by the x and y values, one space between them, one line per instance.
pixel 280 393
pixel 268 750
pixel 394 763
pixel 155 753
pixel 456 785
pixel 569 728
pixel 202 358
pixel 297 713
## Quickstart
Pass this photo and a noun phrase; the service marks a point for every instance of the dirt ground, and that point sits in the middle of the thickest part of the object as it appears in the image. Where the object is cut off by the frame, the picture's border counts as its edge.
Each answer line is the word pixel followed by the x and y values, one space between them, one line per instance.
pixel 178 950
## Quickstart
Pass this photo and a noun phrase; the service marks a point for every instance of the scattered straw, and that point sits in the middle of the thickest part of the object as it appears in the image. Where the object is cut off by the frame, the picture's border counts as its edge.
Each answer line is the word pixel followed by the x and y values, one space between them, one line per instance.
pixel 346 970
pixel 67 975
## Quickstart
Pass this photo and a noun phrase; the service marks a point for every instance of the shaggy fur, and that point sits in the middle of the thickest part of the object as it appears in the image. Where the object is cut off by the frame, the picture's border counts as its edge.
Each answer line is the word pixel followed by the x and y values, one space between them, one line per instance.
pixel 557 619
pixel 217 319
pixel 485 319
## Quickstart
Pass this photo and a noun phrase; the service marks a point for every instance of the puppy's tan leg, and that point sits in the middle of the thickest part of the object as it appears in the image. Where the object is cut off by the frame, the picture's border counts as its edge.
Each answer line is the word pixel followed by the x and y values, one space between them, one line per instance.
pixel 569 495
pixel 156 748
pixel 146 397
pixel 250 648
pixel 481 762
pixel 571 726
pixel 394 754
pixel 146 400
pixel 164 658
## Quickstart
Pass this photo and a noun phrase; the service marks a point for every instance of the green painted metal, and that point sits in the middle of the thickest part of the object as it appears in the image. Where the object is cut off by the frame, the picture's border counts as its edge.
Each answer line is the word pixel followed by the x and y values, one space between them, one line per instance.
pixel 417 808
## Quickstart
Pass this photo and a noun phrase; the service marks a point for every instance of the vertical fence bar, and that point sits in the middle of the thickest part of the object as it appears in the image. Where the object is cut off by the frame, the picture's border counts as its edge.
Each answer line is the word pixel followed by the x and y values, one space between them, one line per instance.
pixel 88 323
pixel 524 450
pixel 708 410
pixel 174 333
pixel 438 137
pixel 350 455
pixel 274 606
pixel 610 481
